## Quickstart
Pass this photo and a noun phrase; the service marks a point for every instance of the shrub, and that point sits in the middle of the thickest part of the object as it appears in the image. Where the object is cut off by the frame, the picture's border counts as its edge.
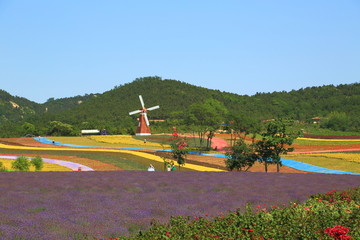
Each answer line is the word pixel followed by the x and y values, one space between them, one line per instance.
pixel 2 167
pixel 38 163
pixel 21 164
pixel 332 215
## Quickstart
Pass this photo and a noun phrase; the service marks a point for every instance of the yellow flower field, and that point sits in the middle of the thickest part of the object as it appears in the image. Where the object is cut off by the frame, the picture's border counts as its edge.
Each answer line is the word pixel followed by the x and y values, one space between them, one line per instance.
pixel 330 140
pixel 47 166
pixel 350 157
pixel 124 139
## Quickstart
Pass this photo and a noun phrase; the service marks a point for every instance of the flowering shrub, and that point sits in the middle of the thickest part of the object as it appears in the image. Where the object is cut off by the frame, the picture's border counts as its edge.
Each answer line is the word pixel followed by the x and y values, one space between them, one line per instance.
pixel 338 232
pixel 179 150
pixel 309 220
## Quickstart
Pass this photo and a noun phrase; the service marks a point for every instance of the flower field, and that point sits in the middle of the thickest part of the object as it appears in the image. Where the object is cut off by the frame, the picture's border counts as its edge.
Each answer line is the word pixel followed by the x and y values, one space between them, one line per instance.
pixel 350 157
pixel 340 161
pixel 47 166
pixel 126 140
pixel 99 205
pixel 141 158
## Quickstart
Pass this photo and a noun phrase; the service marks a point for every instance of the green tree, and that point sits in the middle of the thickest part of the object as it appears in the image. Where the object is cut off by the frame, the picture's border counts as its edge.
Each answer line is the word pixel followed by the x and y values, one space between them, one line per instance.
pixel 21 163
pixel 337 121
pixel 37 162
pixel 28 128
pixel 241 156
pixel 275 140
pixel 57 128
pixel 206 117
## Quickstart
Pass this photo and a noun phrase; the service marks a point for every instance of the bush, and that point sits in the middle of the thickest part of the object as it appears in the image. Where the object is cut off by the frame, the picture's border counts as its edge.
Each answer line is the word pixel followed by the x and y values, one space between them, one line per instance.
pixel 21 164
pixel 2 167
pixel 332 215
pixel 38 163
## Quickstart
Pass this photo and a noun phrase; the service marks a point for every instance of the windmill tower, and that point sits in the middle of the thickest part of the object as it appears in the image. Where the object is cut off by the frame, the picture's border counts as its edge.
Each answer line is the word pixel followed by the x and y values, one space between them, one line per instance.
pixel 143 129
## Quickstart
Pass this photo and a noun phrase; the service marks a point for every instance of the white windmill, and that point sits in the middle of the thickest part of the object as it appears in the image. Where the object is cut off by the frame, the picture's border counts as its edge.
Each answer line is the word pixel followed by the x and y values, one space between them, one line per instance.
pixel 143 128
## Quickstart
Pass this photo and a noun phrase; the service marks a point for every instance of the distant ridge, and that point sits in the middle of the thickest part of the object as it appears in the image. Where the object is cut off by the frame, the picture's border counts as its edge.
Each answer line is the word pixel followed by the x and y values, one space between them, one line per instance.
pixel 111 108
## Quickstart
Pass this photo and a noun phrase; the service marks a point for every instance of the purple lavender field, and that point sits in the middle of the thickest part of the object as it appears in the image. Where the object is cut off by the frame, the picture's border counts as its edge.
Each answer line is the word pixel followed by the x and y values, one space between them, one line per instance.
pixel 68 205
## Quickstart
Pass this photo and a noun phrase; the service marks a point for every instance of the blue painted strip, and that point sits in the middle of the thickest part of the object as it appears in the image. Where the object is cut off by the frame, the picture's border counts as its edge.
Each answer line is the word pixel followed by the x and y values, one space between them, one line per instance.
pixel 286 162
pixel 312 168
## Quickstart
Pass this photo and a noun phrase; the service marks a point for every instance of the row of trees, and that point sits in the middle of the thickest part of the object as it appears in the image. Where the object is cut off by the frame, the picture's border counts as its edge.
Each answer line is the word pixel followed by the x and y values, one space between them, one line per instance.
pixel 276 140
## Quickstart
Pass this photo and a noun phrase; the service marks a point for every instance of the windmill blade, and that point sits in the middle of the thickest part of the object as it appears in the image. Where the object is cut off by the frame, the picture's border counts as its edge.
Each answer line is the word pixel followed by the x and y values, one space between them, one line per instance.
pixel 134 112
pixel 152 108
pixel 146 119
pixel 141 101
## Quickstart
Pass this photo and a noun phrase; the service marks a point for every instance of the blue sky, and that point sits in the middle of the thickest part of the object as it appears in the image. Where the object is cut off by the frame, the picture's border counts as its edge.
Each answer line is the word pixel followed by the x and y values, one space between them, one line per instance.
pixel 64 48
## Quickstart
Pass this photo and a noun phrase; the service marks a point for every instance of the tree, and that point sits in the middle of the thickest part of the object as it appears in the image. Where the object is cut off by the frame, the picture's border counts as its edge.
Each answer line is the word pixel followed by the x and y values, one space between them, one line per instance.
pixel 275 141
pixel 179 149
pixel 21 164
pixel 206 117
pixel 28 128
pixel 58 128
pixel 38 163
pixel 243 125
pixel 241 156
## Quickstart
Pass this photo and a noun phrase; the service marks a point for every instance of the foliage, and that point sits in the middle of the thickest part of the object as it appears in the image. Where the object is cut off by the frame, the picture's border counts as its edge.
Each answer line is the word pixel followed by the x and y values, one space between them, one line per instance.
pixel 21 164
pixel 205 117
pixel 241 157
pixel 38 163
pixel 109 110
pixel 162 195
pixel 179 149
pixel 317 218
pixel 340 121
pixel 275 141
pixel 28 128
pixel 57 128
pixel 2 167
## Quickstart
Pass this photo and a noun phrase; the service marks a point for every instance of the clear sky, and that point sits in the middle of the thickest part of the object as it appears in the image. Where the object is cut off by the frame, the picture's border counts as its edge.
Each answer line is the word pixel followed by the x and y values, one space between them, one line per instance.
pixel 64 48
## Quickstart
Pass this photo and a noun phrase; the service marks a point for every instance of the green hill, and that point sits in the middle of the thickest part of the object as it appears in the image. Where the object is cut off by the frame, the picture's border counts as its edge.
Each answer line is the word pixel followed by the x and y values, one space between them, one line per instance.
pixel 110 109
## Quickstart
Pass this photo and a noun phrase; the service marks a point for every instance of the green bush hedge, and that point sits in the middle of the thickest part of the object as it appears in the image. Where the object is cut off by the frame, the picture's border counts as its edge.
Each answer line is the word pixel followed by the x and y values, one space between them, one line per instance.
pixel 334 215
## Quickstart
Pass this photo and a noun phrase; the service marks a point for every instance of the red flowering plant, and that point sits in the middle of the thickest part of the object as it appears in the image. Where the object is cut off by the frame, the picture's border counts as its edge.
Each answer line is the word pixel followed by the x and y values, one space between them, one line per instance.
pixel 179 148
pixel 338 232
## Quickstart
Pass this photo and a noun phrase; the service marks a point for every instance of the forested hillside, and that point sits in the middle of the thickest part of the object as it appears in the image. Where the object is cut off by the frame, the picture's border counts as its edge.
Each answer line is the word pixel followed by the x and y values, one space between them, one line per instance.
pixel 337 106
pixel 13 108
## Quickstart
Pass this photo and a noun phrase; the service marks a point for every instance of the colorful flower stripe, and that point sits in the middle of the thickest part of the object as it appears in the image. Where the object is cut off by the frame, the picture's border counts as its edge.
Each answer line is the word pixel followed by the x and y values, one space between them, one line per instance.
pixel 330 140
pixel 73 166
pixel 124 139
pixel 145 155
pixel 350 157
pixel 47 167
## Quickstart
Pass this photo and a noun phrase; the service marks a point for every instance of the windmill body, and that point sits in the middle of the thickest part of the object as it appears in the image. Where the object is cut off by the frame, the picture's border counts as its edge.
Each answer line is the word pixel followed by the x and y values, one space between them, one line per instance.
pixel 143 128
